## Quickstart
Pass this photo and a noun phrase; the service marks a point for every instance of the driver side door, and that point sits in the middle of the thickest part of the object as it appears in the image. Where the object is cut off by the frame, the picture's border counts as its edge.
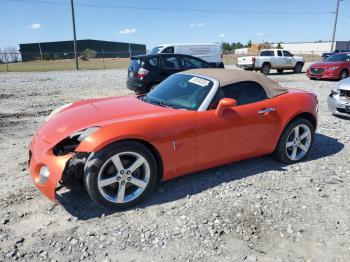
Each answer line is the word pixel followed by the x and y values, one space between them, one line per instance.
pixel 244 131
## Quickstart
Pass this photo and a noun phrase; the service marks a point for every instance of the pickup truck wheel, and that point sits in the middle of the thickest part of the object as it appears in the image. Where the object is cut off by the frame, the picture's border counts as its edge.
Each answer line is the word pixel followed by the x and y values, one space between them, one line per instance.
pixel 280 71
pixel 265 69
pixel 298 67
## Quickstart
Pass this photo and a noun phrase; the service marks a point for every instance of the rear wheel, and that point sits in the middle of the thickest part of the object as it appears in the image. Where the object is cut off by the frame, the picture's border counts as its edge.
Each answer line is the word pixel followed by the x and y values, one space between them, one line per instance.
pixel 121 175
pixel 298 68
pixel 280 71
pixel 295 142
pixel 265 69
pixel 343 74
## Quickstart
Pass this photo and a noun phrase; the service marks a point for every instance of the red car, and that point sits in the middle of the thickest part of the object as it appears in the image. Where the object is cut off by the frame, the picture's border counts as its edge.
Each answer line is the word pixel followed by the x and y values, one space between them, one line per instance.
pixel 335 67
pixel 122 146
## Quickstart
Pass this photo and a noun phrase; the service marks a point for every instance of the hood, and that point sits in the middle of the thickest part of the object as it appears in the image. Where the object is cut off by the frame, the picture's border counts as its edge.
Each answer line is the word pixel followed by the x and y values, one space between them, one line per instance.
pixel 96 112
pixel 325 64
pixel 344 84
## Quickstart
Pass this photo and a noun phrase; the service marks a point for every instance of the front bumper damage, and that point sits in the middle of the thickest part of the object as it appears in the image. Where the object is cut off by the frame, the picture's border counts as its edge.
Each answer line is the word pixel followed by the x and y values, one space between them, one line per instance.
pixel 339 105
pixel 63 169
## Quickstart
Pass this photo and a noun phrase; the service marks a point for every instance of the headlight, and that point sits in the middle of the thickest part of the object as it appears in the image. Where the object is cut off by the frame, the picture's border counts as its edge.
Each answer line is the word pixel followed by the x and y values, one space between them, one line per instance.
pixel 336 89
pixel 43 175
pixel 81 135
pixel 58 109
pixel 69 144
pixel 333 68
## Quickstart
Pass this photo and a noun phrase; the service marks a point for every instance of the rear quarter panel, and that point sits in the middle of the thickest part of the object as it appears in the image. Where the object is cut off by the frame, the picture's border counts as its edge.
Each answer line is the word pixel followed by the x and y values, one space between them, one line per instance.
pixel 293 104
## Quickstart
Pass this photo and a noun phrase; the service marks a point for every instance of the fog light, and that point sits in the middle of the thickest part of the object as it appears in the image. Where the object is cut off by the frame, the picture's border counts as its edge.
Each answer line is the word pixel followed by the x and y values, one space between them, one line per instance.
pixel 43 175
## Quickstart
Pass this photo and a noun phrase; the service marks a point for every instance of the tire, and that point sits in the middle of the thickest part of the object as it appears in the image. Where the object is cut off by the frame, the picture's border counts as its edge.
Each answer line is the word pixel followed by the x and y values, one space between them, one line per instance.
pixel 221 65
pixel 343 74
pixel 105 182
pixel 287 144
pixel 265 69
pixel 280 71
pixel 298 68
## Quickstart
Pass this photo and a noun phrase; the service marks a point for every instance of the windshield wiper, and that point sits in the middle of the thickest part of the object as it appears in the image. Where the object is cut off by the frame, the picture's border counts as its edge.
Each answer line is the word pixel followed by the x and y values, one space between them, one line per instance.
pixel 145 98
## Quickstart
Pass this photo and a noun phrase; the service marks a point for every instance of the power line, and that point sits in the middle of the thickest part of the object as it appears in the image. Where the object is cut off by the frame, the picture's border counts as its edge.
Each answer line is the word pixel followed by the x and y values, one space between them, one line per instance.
pixel 174 9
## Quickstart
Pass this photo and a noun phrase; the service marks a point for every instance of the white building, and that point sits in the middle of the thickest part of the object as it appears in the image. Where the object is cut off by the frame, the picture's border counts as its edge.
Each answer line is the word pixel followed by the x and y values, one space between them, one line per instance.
pixel 241 51
pixel 316 48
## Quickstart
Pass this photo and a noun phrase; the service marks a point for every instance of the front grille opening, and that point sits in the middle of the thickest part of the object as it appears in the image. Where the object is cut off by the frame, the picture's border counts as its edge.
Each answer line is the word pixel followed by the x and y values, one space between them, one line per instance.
pixel 67 145
pixel 342 110
pixel 345 93
pixel 317 71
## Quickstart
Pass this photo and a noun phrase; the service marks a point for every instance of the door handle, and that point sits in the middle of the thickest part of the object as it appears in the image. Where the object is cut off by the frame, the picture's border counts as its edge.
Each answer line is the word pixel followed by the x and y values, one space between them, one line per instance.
pixel 267 110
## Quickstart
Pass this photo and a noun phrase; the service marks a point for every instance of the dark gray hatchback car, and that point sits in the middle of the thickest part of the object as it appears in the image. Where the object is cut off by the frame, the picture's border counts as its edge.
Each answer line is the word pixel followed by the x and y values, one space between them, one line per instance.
pixel 146 71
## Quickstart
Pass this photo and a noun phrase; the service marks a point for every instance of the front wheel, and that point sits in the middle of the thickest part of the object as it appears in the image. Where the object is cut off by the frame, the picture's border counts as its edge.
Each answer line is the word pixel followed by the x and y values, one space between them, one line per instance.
pixel 265 69
pixel 343 74
pixel 295 141
pixel 298 68
pixel 121 175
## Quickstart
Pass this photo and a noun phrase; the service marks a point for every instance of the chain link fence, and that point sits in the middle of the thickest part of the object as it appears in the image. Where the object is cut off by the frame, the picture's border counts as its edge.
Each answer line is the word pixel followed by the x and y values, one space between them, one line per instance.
pixel 28 62
pixel 230 58
pixel 88 59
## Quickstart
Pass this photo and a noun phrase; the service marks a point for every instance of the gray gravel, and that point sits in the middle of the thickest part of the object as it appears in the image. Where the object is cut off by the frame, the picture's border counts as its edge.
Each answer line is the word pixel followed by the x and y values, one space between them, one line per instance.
pixel 254 210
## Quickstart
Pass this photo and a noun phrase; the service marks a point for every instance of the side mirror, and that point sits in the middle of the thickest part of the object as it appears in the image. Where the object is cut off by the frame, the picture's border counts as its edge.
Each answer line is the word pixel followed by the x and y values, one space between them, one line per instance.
pixel 225 103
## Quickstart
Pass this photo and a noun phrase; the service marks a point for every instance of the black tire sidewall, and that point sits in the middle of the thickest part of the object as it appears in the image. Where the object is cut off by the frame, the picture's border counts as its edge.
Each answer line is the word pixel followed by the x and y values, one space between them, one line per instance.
pixel 94 164
pixel 266 71
pixel 341 72
pixel 298 68
pixel 280 153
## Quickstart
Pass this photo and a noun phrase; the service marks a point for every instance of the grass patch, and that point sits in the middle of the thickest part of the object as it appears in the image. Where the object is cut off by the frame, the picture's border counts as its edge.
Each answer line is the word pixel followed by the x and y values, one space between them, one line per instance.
pixel 66 64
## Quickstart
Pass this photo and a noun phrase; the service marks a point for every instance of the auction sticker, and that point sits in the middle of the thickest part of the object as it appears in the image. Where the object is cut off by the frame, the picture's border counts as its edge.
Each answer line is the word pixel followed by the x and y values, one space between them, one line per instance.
pixel 199 81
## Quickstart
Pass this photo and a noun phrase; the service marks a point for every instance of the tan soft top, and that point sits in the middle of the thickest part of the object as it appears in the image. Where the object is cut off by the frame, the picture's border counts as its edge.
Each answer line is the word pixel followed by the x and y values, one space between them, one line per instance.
pixel 231 76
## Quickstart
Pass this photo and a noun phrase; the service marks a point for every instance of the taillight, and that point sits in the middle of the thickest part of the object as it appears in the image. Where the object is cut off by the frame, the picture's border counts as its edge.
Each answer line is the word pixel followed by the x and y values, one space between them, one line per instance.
pixel 253 59
pixel 142 72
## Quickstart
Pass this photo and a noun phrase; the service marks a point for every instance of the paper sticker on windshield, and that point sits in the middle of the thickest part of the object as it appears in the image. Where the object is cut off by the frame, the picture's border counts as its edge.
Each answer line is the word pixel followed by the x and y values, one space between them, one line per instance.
pixel 199 81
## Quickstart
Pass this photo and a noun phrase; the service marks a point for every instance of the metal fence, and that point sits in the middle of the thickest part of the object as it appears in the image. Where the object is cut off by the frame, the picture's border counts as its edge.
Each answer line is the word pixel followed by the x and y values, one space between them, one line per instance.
pixel 12 62
pixel 44 61
pixel 230 58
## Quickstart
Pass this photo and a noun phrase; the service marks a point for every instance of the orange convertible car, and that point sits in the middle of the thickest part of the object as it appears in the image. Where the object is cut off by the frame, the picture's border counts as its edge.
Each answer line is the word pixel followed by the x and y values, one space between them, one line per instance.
pixel 122 146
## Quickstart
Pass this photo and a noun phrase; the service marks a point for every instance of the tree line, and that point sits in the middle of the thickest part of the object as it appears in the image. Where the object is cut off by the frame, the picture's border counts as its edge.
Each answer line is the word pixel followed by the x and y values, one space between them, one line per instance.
pixel 9 55
pixel 231 47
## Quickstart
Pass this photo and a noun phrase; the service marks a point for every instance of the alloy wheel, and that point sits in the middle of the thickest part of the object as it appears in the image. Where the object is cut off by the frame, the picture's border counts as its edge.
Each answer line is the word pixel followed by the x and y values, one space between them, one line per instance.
pixel 298 142
pixel 123 177
pixel 343 74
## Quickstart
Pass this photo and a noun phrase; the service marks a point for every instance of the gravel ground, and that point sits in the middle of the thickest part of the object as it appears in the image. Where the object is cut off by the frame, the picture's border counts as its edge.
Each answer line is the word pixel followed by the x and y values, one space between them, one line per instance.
pixel 254 210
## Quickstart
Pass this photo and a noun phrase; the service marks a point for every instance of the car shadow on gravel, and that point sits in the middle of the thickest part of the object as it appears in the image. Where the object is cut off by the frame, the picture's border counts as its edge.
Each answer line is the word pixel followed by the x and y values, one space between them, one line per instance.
pixel 78 204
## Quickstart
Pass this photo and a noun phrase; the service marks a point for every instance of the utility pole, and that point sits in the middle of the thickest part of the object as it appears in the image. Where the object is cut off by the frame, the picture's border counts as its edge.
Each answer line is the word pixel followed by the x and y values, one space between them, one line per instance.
pixel 75 37
pixel 335 25
pixel 41 52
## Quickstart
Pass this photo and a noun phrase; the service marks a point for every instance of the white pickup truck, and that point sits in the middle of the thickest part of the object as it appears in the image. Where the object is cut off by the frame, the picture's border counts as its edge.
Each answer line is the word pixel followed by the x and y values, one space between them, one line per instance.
pixel 272 59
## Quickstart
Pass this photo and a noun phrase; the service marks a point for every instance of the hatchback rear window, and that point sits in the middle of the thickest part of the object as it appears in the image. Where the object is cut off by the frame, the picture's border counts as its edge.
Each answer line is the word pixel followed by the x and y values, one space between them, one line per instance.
pixel 135 62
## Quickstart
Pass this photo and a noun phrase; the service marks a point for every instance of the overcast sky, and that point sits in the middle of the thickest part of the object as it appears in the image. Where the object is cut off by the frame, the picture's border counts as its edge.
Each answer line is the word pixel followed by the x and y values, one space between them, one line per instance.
pixel 164 21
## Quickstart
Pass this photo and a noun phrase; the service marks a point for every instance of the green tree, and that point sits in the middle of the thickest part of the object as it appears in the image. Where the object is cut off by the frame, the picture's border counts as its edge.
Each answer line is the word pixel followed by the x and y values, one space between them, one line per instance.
pixel 88 54
pixel 279 46
pixel 249 44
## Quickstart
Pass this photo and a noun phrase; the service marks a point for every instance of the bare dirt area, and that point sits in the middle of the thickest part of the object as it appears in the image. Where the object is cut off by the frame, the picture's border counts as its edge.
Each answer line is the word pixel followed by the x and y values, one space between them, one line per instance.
pixel 254 210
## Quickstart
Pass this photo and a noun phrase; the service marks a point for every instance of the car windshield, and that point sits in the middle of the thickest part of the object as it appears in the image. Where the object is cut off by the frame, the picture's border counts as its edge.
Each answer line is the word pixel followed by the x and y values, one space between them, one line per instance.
pixel 155 50
pixel 338 58
pixel 180 91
